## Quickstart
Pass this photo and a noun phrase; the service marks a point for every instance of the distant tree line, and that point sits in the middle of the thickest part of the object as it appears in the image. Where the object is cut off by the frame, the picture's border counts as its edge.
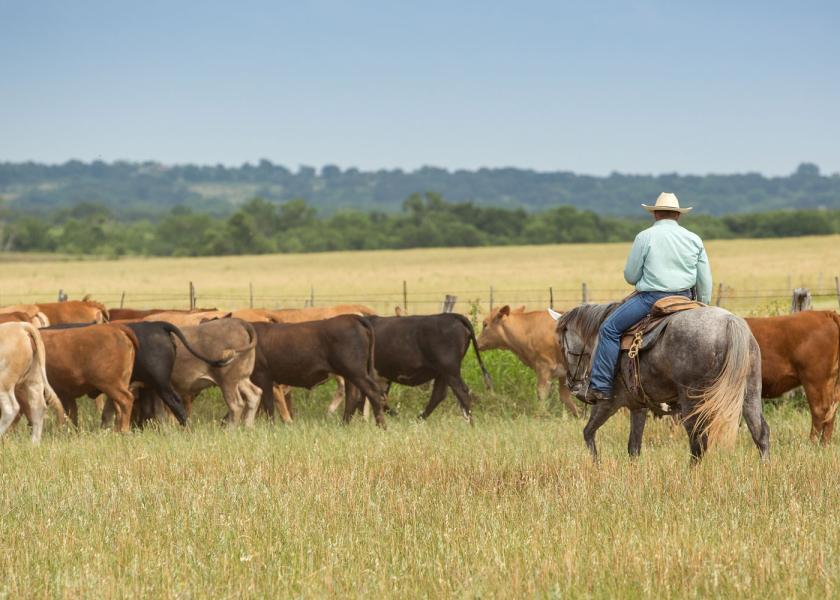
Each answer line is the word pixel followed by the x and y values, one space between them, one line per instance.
pixel 132 191
pixel 259 226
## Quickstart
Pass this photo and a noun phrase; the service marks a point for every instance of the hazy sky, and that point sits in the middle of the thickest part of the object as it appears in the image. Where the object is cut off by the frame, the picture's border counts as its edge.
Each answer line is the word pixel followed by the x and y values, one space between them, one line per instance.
pixel 636 86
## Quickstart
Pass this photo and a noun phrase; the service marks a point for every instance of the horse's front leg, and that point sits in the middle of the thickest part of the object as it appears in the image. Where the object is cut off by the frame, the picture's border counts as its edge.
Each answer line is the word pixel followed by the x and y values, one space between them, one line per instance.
pixel 597 417
pixel 638 417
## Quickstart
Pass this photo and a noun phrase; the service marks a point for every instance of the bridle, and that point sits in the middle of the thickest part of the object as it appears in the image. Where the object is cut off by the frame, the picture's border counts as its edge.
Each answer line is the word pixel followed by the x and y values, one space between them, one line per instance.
pixel 570 381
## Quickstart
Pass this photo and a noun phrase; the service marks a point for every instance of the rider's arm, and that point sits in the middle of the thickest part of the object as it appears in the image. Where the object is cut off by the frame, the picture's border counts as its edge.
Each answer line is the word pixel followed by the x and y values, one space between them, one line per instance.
pixel 704 278
pixel 634 269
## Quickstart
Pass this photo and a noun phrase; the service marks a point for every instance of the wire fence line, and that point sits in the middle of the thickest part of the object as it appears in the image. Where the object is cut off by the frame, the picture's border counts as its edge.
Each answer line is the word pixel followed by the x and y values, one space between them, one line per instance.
pixel 769 300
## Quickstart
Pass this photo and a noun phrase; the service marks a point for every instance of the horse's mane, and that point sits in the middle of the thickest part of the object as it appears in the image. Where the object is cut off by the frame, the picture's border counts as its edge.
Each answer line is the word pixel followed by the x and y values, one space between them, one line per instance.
pixel 586 319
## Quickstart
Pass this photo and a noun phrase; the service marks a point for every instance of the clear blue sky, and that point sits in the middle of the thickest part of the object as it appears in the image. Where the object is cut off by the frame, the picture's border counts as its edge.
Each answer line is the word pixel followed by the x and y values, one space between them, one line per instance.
pixel 636 86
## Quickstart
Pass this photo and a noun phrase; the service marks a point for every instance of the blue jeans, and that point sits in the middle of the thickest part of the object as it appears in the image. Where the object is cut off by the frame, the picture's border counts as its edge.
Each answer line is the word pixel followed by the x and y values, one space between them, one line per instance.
pixel 630 312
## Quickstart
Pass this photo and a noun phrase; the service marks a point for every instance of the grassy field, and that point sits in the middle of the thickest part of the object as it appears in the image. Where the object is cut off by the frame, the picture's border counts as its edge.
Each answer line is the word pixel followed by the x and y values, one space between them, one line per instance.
pixel 747 268
pixel 511 507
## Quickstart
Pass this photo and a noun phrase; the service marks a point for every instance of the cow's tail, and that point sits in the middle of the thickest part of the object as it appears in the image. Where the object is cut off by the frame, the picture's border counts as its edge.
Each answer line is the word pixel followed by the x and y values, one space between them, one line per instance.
pixel 371 369
pixel 721 403
pixel 130 333
pixel 227 355
pixel 41 364
pixel 488 382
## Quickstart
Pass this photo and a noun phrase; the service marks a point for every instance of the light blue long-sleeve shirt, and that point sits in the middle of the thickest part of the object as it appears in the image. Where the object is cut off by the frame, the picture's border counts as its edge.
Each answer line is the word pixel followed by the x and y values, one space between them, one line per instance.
pixel 669 258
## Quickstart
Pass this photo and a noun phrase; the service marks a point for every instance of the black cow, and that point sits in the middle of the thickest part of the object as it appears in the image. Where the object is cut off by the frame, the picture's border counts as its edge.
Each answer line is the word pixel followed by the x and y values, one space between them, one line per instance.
pixel 414 350
pixel 306 354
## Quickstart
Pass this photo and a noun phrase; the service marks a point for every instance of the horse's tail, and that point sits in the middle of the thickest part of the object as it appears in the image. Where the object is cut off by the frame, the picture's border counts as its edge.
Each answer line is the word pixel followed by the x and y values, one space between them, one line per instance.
pixel 719 410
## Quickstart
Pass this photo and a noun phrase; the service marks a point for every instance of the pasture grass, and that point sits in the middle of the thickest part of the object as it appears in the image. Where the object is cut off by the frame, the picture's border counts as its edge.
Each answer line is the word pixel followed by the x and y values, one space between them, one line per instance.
pixel 510 507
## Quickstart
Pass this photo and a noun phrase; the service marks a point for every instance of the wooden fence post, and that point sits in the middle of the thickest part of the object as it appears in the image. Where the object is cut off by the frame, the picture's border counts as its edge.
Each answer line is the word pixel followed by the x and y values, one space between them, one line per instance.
pixel 122 299
pixel 551 297
pixel 312 295
pixel 584 293
pixel 405 296
pixel 192 296
pixel 251 294
pixel 837 288
pixel 719 294
pixel 801 300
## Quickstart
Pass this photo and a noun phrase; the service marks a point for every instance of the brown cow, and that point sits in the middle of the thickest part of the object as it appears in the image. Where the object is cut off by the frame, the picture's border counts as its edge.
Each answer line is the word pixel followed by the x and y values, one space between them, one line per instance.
pixel 32 312
pixel 306 354
pixel 89 361
pixel 74 311
pixel 129 314
pixel 530 336
pixel 187 319
pixel 802 349
pixel 318 313
pixel 253 315
pixel 23 378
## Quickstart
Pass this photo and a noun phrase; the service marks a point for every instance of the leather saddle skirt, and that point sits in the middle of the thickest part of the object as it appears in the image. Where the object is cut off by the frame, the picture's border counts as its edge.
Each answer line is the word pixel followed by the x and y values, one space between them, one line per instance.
pixel 652 326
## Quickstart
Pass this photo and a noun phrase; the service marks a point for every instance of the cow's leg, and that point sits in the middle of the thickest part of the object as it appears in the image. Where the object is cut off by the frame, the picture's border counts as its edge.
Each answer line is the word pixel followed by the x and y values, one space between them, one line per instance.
pixel 37 408
pixel 820 400
pixel 352 398
pixel 638 417
pixel 173 401
pixel 368 386
pixel 262 380
pixel 281 403
pixel 124 401
pixel 339 395
pixel 462 393
pixel 250 395
pixel 234 402
pixel 9 409
pixel 71 407
pixel 438 394
pixel 566 398
pixel 108 413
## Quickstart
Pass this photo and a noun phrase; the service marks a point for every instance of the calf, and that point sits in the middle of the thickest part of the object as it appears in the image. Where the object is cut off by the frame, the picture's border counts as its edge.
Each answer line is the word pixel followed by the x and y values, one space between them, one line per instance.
pixel 89 361
pixel 414 350
pixel 802 349
pixel 23 378
pixel 306 354
pixel 530 336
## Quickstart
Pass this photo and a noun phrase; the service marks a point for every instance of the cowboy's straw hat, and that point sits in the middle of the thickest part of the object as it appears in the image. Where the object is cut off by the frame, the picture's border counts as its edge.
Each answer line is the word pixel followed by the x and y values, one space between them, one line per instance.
pixel 667 201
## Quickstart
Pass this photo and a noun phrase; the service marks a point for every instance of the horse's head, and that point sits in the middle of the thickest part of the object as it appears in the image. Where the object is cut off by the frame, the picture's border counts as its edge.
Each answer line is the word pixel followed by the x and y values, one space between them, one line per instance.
pixel 577 333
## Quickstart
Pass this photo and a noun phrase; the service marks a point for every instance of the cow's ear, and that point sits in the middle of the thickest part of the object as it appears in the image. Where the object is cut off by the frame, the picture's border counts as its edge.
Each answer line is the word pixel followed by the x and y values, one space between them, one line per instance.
pixel 504 311
pixel 520 309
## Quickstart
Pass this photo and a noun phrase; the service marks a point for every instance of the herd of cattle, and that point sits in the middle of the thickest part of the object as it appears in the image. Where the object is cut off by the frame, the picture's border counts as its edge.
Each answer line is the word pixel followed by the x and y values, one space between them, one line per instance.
pixel 150 364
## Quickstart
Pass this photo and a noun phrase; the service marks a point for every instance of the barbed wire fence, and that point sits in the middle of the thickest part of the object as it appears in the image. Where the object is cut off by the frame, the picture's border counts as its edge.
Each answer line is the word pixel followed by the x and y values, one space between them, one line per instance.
pixel 746 301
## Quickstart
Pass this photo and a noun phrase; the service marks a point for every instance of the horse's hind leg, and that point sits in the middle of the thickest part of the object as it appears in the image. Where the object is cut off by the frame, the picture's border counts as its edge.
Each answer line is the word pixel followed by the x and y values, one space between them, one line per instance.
pixel 638 417
pixel 599 415
pixel 753 416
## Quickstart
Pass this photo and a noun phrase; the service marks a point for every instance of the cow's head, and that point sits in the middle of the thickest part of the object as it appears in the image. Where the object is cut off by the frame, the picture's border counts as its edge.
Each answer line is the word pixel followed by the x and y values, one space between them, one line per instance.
pixel 493 327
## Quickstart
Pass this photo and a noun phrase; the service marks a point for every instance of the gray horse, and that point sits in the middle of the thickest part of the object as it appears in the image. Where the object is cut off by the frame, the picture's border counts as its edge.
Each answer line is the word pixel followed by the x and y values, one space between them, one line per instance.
pixel 706 367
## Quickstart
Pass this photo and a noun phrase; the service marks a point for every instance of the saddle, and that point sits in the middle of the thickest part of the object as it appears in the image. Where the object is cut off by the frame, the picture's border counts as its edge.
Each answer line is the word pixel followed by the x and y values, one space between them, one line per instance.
pixel 646 332
pixel 642 336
